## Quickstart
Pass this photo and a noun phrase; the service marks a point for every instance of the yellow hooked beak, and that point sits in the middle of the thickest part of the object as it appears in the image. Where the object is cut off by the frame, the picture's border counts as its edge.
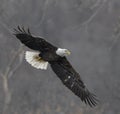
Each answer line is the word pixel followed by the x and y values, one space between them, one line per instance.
pixel 68 52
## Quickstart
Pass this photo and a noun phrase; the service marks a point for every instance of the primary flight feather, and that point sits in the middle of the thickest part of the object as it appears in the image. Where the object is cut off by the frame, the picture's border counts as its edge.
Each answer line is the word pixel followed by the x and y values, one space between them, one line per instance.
pixel 47 53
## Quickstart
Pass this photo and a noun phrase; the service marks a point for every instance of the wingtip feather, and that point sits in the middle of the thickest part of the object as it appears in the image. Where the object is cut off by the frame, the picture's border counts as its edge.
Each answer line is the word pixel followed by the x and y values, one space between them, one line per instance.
pixel 21 30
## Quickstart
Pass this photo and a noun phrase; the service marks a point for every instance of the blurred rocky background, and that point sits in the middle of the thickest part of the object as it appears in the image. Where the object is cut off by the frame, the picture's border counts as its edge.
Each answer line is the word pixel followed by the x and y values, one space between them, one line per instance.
pixel 89 28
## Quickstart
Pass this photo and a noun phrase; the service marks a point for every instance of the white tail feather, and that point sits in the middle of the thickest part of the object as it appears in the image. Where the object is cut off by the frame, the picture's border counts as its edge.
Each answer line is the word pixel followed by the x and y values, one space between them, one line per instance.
pixel 35 60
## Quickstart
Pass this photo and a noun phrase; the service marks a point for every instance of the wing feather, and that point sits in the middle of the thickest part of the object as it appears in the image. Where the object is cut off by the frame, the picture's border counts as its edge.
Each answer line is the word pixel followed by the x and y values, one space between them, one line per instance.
pixel 72 80
pixel 35 43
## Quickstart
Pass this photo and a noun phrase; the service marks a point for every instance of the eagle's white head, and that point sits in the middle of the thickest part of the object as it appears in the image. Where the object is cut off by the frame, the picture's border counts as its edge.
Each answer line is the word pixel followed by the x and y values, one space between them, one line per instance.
pixel 62 52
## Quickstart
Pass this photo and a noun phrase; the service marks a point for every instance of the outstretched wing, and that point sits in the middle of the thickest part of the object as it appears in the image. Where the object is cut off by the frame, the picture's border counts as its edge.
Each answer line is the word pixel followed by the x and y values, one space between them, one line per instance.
pixel 72 80
pixel 35 43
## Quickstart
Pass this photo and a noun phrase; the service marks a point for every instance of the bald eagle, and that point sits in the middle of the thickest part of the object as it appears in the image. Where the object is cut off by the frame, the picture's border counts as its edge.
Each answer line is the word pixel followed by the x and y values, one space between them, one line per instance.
pixel 44 54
